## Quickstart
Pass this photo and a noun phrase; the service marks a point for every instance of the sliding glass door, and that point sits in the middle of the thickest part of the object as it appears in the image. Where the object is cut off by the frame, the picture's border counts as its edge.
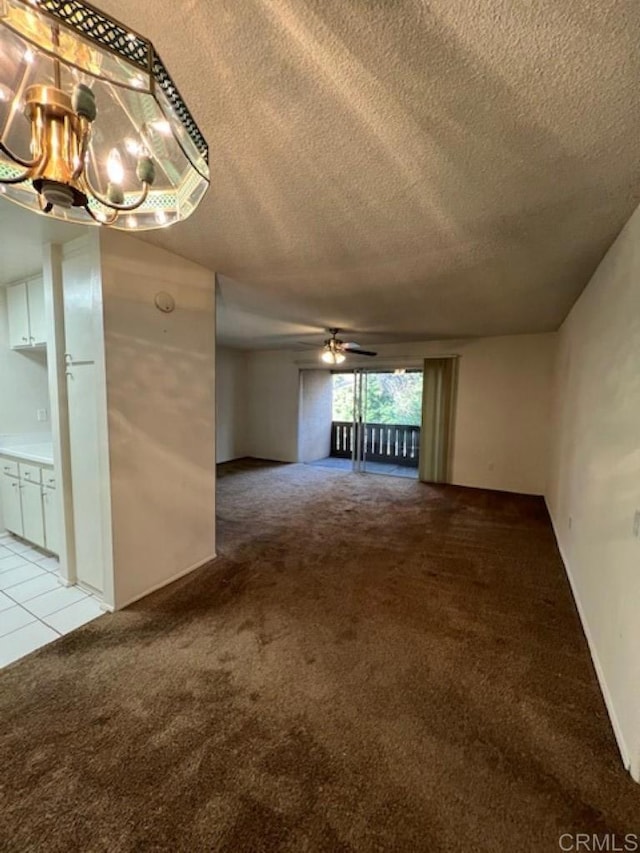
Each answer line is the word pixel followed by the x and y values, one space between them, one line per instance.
pixel 358 443
pixel 385 431
pixel 395 421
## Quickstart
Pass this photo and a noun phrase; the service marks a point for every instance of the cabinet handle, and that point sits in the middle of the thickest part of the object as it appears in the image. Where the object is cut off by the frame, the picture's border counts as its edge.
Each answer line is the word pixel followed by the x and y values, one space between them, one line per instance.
pixel 24 339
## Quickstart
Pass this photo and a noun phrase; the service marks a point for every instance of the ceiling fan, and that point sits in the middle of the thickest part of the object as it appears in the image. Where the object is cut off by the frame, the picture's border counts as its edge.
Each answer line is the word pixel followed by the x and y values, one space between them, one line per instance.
pixel 335 351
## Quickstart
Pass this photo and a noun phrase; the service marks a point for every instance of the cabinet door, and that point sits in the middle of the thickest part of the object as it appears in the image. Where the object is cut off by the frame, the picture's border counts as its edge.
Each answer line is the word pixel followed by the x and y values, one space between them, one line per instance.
pixel 10 497
pixel 18 315
pixel 35 299
pixel 51 510
pixel 32 516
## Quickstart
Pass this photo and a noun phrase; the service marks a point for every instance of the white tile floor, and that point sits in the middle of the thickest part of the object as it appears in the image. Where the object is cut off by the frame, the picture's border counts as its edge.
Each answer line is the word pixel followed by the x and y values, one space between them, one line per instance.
pixel 35 608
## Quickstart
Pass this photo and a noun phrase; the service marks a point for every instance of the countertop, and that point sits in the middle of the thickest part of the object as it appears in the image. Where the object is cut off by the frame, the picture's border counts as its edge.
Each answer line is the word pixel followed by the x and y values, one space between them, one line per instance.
pixel 41 453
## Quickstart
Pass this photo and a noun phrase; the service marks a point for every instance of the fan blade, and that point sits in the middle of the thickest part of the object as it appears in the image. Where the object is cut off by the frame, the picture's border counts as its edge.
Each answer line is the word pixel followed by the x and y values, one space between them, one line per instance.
pixel 351 345
pixel 358 351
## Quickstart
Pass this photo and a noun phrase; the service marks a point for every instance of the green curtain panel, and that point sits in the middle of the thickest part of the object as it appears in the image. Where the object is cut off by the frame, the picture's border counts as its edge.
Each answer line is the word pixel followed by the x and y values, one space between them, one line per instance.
pixel 438 407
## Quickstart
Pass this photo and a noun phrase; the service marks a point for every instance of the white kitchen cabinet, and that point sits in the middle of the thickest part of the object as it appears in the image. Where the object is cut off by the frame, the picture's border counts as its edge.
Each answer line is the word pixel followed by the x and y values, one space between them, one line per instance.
pixel 10 497
pixel 35 300
pixel 32 512
pixel 30 502
pixel 18 315
pixel 25 310
pixel 51 513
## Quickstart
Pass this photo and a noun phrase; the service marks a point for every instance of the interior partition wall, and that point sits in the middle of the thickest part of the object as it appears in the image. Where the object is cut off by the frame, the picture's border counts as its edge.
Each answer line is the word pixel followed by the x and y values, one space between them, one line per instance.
pixel 134 389
pixel 315 415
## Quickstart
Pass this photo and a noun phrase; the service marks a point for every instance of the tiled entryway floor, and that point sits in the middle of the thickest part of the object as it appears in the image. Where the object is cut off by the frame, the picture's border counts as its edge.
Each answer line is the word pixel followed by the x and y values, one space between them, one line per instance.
pixel 35 608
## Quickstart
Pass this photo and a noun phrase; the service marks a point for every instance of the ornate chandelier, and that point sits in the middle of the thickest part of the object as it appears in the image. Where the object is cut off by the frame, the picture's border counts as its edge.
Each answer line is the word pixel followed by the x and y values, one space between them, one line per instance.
pixel 92 127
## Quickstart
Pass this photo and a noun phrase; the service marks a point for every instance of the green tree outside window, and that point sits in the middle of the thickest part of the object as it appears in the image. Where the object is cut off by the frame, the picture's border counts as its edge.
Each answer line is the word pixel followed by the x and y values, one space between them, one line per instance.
pixel 392 398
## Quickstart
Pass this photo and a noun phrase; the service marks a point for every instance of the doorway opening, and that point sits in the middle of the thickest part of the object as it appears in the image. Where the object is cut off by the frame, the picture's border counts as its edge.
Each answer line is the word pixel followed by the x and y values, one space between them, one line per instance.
pixel 47 587
pixel 375 421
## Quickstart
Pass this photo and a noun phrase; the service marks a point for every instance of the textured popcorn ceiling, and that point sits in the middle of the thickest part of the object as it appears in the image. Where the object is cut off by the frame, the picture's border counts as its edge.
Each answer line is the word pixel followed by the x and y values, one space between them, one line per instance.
pixel 405 169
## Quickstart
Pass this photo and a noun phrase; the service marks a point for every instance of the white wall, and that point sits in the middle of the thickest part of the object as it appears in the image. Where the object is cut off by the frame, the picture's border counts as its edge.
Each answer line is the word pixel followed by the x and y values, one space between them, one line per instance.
pixel 161 419
pixel 23 384
pixel 231 404
pixel 273 392
pixel 594 487
pixel 501 436
pixel 316 403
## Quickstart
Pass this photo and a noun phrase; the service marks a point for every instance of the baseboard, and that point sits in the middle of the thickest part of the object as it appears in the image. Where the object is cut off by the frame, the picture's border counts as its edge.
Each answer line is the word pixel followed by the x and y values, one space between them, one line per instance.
pixel 604 689
pixel 166 582
pixel 486 488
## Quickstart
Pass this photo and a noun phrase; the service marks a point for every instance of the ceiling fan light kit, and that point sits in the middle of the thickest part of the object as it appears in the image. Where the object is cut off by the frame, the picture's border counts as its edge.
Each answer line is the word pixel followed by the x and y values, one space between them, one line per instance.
pixel 329 356
pixel 335 351
pixel 92 127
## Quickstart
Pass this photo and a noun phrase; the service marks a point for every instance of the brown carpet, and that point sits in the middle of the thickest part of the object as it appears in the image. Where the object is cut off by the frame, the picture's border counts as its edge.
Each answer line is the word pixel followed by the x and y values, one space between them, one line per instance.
pixel 372 664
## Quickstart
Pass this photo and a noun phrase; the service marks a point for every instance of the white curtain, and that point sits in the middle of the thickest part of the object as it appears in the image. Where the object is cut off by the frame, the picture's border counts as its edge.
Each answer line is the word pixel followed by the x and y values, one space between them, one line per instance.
pixel 438 402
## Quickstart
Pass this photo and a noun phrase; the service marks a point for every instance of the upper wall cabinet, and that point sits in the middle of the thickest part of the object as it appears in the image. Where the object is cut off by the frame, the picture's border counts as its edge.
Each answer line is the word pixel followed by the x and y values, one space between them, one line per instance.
pixel 25 308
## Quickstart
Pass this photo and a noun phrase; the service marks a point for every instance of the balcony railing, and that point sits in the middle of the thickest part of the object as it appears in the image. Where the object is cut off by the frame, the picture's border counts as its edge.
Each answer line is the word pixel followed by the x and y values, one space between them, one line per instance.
pixel 397 444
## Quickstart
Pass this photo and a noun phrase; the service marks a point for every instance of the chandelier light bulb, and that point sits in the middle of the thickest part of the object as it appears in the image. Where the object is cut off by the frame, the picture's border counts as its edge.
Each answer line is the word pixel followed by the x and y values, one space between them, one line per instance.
pixel 115 169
